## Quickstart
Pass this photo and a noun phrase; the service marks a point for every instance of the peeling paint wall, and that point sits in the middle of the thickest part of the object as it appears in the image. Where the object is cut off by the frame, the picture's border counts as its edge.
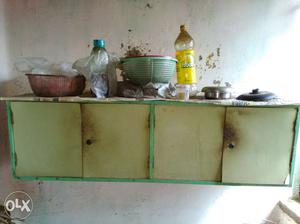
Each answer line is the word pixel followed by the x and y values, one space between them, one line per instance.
pixel 248 43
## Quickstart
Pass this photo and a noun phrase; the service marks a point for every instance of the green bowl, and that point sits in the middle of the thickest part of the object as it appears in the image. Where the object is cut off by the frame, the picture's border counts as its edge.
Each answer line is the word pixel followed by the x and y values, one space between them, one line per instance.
pixel 141 70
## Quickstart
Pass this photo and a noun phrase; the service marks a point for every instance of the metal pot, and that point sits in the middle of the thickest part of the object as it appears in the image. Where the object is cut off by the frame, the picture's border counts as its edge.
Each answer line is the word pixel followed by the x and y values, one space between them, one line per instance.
pixel 217 92
pixel 56 85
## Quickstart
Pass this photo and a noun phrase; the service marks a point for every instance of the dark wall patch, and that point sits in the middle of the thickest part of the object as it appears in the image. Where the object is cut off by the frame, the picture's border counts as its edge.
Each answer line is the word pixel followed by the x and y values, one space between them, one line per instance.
pixel 149 6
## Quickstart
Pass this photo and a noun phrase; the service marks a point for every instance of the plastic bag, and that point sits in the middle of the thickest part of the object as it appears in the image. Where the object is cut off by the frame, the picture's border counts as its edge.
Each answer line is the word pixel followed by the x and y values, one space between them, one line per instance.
pixel 41 66
pixel 102 81
pixel 127 89
pixel 82 66
pixel 113 62
pixel 161 90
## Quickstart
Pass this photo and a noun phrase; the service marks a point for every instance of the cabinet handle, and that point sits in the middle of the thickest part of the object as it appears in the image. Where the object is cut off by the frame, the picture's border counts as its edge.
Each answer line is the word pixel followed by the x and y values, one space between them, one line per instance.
pixel 231 145
pixel 88 142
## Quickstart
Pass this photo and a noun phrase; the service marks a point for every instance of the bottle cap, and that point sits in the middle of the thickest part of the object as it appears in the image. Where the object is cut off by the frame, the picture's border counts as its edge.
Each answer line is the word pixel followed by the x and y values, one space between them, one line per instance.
pixel 99 43
pixel 182 28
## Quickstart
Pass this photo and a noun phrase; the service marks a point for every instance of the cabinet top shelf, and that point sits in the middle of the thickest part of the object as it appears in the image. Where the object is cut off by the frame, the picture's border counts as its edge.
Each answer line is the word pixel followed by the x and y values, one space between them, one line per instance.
pixel 77 99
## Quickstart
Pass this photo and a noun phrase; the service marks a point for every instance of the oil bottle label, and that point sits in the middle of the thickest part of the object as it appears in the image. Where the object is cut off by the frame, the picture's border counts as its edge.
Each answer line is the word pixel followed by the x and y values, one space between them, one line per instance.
pixel 186 71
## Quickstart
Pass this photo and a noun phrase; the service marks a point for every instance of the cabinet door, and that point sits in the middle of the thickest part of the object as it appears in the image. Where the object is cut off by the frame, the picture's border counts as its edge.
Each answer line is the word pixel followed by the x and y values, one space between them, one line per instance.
pixel 116 140
pixel 258 145
pixel 188 142
pixel 47 139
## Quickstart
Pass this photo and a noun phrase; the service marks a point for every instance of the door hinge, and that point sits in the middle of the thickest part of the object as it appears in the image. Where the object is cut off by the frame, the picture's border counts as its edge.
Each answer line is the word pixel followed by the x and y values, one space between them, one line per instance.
pixel 153 162
pixel 149 121
pixel 150 164
pixel 11 116
pixel 16 159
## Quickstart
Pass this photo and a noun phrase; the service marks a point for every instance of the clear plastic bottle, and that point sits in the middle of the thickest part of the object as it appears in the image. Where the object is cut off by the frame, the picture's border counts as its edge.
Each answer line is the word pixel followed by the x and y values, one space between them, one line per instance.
pixel 185 54
pixel 100 57
pixel 98 69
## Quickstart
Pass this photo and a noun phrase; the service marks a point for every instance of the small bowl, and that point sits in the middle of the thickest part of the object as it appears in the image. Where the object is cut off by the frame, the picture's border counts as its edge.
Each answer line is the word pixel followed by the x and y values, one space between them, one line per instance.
pixel 56 85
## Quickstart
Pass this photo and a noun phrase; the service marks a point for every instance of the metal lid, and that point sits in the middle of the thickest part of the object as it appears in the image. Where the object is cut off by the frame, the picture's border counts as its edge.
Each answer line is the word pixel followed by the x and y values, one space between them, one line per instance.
pixel 257 95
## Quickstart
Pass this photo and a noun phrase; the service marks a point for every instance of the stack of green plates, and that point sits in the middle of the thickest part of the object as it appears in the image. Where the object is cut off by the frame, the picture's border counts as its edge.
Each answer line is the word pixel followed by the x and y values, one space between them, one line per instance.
pixel 141 70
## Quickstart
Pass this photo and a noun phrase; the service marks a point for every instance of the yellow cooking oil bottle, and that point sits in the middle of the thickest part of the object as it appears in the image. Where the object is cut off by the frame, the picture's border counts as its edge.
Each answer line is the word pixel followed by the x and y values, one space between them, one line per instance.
pixel 185 55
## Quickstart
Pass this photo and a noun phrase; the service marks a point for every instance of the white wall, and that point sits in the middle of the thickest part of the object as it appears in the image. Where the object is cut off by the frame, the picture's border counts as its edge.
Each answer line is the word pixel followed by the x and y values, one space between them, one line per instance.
pixel 258 41
pixel 4 58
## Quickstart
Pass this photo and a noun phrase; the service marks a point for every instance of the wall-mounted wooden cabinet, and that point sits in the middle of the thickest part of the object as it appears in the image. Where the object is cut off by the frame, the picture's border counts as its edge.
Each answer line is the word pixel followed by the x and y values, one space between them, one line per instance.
pixel 152 141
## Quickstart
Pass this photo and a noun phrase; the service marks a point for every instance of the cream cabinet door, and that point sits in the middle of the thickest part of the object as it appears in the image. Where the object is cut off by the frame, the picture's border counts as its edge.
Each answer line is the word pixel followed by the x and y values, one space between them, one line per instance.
pixel 47 139
pixel 115 140
pixel 258 145
pixel 188 142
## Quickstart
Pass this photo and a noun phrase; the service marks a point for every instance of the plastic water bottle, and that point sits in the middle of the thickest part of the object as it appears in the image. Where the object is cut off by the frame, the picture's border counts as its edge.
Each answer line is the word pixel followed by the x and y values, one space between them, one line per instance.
pixel 98 69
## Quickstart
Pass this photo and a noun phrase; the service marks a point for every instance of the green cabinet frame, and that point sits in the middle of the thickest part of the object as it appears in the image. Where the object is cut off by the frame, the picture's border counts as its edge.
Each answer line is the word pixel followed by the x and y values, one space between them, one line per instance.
pixel 151 179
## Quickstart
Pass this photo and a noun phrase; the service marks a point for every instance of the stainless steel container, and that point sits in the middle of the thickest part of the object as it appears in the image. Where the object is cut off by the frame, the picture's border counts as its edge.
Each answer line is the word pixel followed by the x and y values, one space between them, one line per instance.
pixel 217 92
